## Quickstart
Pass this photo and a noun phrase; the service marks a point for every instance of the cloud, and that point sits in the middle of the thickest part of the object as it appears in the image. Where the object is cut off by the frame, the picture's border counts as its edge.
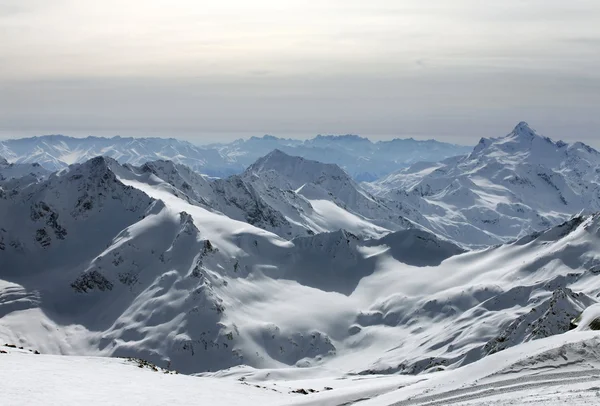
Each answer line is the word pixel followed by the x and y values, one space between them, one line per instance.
pixel 379 68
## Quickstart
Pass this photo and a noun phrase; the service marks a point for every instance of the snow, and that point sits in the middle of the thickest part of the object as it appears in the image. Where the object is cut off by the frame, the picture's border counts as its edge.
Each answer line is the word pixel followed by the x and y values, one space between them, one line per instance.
pixel 292 278
pixel 172 281
pixel 28 379
pixel 553 371
pixel 328 216
pixel 506 188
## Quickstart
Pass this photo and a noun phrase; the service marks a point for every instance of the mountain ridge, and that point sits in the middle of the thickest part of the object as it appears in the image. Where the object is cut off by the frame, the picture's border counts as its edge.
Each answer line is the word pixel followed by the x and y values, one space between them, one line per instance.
pixel 518 183
pixel 58 151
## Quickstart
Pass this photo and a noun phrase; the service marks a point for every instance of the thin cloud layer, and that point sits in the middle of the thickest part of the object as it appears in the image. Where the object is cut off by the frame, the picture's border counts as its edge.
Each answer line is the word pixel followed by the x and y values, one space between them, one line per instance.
pixel 204 70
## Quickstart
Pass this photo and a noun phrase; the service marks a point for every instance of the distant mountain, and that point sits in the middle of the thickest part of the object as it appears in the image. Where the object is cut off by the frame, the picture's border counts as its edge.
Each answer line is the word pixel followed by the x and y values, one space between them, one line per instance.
pixel 505 188
pixel 57 151
pixel 361 158
pixel 12 174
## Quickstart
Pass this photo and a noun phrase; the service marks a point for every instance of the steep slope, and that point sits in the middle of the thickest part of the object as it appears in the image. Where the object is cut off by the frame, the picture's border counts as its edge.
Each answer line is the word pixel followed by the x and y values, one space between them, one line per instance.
pixel 175 283
pixel 100 259
pixel 267 202
pixel 328 189
pixel 506 188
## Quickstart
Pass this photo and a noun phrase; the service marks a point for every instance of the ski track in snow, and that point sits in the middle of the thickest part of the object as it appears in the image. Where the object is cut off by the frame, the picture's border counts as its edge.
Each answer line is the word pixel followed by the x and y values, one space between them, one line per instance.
pixel 503 387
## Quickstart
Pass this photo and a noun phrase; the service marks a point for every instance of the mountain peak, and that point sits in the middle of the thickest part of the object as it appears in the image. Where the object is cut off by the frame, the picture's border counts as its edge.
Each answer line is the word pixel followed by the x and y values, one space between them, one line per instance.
pixel 277 159
pixel 266 137
pixel 296 169
pixel 342 137
pixel 522 138
pixel 277 153
pixel 524 130
pixel 100 166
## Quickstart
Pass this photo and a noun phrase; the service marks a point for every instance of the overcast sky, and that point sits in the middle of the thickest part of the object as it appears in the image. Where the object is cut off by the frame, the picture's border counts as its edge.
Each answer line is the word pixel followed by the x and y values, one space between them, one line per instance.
pixel 214 70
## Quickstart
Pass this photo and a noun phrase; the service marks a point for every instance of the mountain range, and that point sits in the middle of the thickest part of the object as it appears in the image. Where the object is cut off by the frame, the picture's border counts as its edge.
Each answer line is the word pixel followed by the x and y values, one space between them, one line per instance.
pixel 292 269
pixel 361 158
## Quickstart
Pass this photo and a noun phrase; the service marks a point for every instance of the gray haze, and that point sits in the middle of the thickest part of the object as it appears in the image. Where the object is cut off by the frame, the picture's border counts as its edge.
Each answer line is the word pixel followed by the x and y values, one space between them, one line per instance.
pixel 211 71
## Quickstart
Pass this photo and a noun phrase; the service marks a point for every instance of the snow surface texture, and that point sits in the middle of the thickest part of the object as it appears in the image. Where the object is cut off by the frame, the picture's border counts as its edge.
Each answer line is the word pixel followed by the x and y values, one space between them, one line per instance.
pixel 103 259
pixel 506 188
pixel 361 158
pixel 560 370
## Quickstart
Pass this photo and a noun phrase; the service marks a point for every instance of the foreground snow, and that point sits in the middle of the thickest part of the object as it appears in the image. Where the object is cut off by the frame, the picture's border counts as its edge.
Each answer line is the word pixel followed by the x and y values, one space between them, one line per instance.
pixel 28 379
pixel 559 370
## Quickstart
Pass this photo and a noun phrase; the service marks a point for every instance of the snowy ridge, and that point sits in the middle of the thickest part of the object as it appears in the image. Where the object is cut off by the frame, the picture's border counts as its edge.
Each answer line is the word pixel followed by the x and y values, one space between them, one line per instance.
pixel 320 183
pixel 20 173
pixel 258 201
pixel 506 188
pixel 175 283
pixel 57 151
pixel 364 160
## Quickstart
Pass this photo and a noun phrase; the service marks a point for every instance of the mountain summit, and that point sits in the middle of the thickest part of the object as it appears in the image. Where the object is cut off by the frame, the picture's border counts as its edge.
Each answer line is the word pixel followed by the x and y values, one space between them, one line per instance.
pixel 508 186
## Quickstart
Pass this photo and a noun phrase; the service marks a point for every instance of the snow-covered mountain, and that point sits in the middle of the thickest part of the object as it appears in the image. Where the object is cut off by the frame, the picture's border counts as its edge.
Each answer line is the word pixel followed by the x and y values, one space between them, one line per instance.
pixel 21 172
pixel 100 248
pixel 56 152
pixel 105 259
pixel 505 188
pixel 306 198
pixel 270 201
pixel 337 201
pixel 293 284
pixel 361 158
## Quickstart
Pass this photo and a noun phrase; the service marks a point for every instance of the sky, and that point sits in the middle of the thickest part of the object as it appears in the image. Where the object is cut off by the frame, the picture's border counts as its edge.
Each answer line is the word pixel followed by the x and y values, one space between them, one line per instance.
pixel 218 70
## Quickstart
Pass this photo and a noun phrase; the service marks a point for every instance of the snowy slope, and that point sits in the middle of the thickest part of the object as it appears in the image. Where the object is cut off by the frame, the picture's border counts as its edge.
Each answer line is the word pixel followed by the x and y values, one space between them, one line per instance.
pixel 29 379
pixel 13 174
pixel 560 370
pixel 554 371
pixel 321 183
pixel 101 259
pixel 258 202
pixel 506 188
